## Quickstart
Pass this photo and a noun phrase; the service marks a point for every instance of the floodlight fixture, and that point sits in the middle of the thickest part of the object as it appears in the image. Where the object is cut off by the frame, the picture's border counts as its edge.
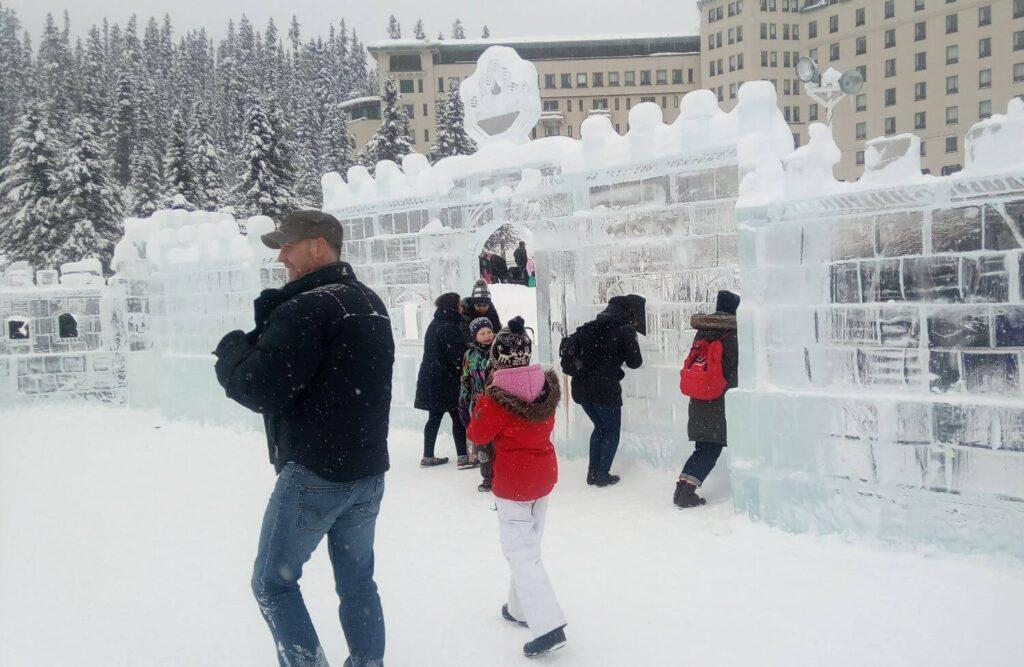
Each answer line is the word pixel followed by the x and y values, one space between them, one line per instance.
pixel 829 87
pixel 807 70
pixel 851 82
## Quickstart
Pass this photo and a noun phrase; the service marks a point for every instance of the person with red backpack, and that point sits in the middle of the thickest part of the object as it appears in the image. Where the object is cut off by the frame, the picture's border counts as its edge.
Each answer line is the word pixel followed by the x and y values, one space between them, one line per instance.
pixel 710 370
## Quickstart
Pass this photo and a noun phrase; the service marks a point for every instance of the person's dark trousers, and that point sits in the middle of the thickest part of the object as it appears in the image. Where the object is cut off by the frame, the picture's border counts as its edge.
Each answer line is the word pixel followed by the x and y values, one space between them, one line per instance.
pixel 434 423
pixel 302 510
pixel 487 471
pixel 701 462
pixel 604 441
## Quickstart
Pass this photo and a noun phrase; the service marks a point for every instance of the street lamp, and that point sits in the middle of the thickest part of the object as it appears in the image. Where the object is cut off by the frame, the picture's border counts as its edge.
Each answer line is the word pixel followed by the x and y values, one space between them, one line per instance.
pixel 829 87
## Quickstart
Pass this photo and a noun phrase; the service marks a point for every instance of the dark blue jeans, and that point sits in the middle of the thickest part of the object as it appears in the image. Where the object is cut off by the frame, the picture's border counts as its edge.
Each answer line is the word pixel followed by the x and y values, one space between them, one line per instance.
pixel 604 441
pixel 303 509
pixel 701 462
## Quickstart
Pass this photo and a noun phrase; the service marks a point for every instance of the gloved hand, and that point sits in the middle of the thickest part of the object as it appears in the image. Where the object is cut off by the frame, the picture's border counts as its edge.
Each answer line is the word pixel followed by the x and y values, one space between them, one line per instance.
pixel 230 340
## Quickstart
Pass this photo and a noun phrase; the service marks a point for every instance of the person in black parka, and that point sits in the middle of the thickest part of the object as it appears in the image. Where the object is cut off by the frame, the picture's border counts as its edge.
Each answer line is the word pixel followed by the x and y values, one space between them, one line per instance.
pixel 439 379
pixel 479 304
pixel 706 426
pixel 499 268
pixel 599 391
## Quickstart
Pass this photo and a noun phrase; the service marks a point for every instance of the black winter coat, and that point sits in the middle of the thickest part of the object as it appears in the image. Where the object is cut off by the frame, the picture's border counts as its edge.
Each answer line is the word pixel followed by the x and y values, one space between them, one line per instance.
pixel 499 268
pixel 437 385
pixel 618 346
pixel 520 256
pixel 318 368
pixel 707 418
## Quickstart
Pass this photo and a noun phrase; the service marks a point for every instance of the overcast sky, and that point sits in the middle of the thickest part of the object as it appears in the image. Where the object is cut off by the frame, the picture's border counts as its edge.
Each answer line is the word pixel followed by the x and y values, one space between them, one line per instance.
pixel 506 18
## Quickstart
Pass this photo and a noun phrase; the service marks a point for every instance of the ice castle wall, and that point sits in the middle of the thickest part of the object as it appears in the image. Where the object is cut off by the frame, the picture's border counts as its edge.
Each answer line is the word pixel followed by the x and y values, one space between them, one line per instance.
pixel 881 333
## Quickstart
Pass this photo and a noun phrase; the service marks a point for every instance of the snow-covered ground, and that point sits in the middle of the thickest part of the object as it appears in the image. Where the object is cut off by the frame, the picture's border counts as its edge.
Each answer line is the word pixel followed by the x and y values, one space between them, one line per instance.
pixel 512 300
pixel 128 540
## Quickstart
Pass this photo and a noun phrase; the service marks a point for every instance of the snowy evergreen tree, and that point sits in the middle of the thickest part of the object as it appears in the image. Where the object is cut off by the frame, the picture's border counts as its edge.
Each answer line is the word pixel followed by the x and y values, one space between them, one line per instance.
pixel 451 132
pixel 146 187
pixel 391 140
pixel 417 30
pixel 341 145
pixel 179 177
pixel 206 164
pixel 264 186
pixel 458 32
pixel 14 77
pixel 486 32
pixel 53 75
pixel 394 28
pixel 29 185
pixel 88 212
pixel 123 132
pixel 94 98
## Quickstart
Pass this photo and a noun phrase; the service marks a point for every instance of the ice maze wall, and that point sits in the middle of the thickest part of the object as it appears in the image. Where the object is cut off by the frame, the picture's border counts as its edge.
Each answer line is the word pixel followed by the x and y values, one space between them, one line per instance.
pixel 882 333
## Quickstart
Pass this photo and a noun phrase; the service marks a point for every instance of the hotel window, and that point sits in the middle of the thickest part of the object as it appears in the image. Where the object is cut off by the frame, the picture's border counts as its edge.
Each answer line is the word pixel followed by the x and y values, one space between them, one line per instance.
pixel 812 112
pixel 616 103
pixel 796 115
pixel 764 59
pixel 739 33
pixel 739 61
pixel 890 125
pixel 773 32
pixel 426 135
pixel 661 76
pixel 796 31
pixel 860 158
pixel 732 36
pixel 764 31
pixel 985 78
pixel 600 103
pixel 1018 8
pixel 951 144
pixel 732 91
pixel 985 47
pixel 630 78
pixel 677 76
pixel 410 111
pixel 567 81
pixel 952 115
pixel 785 86
pixel 812 29
pixel 719 39
pixel 1018 72
pixel 406 86
pixel 647 98
pixel 920 120
pixel 833 52
pixel 952 84
pixel 862 130
pixel 581 80
pixel 920 61
pixel 950 169
pixel 579 105
pixel 920 91
pixel 918 5
pixel 952 25
pixel 785 114
pixel 833 23
pixel 861 102
pixel 774 60
pixel 890 9
pixel 920 31
pixel 419 85
pixel 860 17
pixel 440 84
pixel 613 78
pixel 1018 40
pixel 863 69
pixel 890 67
pixel 890 38
pixel 923 153
pixel 598 79
pixel 985 109
pixel 425 112
pixel 984 15
pixel 785 31
pixel 689 75
pixel 550 105
pixel 862 46
pixel 952 54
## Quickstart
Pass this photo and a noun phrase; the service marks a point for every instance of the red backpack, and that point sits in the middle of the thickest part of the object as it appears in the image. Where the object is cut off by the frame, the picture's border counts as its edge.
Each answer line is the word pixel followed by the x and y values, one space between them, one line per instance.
pixel 702 376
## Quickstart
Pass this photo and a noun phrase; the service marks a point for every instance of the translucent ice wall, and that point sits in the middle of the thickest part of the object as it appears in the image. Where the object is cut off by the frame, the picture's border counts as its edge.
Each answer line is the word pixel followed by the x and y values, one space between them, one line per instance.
pixel 881 333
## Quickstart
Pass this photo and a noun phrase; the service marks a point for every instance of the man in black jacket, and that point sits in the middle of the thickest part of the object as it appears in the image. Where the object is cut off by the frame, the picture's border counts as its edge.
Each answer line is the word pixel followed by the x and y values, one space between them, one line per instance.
pixel 599 390
pixel 318 368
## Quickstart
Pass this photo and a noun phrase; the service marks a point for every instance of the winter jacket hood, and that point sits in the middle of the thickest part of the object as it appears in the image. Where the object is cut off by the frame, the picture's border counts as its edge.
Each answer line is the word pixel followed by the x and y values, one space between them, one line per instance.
pixel 527 392
pixel 631 306
pixel 714 322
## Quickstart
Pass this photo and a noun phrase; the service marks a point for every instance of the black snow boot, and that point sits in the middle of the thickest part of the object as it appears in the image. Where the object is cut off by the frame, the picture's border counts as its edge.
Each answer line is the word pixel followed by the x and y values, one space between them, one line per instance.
pixel 485 486
pixel 552 641
pixel 605 479
pixel 431 461
pixel 686 496
pixel 509 617
pixel 591 477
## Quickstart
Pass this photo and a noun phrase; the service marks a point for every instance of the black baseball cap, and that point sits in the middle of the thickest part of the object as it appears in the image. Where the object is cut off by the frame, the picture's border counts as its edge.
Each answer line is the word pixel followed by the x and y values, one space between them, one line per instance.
pixel 305 224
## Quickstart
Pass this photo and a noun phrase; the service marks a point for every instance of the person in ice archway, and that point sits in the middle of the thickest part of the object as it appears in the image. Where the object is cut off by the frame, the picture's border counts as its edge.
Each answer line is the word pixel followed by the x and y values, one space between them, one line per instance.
pixel 706 426
pixel 318 368
pixel 476 370
pixel 437 385
pixel 521 260
pixel 517 414
pixel 610 341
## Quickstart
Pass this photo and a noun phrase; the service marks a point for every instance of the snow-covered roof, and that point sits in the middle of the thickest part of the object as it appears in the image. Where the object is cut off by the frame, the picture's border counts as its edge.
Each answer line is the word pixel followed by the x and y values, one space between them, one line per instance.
pixel 491 41
pixel 356 101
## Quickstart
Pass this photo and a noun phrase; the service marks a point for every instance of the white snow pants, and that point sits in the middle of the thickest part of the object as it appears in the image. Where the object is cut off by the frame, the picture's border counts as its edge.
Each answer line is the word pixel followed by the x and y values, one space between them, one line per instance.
pixel 530 596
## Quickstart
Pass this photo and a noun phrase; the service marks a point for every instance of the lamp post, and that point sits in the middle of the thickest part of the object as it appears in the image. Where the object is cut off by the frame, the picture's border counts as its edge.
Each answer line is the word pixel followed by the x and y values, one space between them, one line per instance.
pixel 829 87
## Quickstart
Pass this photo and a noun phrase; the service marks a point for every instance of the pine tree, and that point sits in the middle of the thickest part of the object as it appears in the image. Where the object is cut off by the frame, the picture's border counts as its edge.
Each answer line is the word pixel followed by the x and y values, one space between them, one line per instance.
pixel 146 186
pixel 88 206
pixel 417 30
pixel 486 32
pixel 458 32
pixel 123 131
pixel 451 132
pixel 179 177
pixel 391 140
pixel 341 145
pixel 94 78
pixel 14 77
pixel 394 28
pixel 206 164
pixel 28 187
pixel 53 74
pixel 264 186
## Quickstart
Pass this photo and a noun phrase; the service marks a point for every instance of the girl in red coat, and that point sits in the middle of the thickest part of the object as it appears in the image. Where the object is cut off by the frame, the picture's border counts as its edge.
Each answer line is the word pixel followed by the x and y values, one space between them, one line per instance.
pixel 517 414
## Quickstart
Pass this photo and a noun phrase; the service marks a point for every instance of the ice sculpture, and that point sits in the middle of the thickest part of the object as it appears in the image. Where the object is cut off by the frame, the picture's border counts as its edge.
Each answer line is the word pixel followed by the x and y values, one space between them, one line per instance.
pixel 501 98
pixel 882 333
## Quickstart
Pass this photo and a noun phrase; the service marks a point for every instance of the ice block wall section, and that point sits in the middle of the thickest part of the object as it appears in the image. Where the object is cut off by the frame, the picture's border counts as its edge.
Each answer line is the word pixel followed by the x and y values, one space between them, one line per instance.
pixel 881 333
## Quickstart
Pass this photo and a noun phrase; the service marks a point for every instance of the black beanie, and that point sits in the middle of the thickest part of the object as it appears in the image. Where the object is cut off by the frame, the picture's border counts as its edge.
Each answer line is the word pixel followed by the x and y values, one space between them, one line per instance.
pixel 448 300
pixel 727 302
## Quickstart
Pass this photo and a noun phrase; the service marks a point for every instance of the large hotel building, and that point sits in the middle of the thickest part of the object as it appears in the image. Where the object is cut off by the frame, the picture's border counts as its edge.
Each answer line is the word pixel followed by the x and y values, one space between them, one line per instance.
pixel 931 67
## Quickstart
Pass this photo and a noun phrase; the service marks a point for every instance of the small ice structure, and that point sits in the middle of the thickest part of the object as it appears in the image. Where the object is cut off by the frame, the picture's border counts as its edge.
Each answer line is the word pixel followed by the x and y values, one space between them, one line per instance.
pixel 501 98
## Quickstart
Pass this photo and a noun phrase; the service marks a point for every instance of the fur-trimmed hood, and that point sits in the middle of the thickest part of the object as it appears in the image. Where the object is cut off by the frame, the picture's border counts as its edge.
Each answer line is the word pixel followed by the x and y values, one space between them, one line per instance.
pixel 538 411
pixel 714 322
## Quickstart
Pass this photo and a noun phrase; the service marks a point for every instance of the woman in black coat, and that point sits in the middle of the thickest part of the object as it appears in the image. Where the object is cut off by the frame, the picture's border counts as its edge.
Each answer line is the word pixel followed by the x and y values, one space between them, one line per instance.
pixel 437 387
